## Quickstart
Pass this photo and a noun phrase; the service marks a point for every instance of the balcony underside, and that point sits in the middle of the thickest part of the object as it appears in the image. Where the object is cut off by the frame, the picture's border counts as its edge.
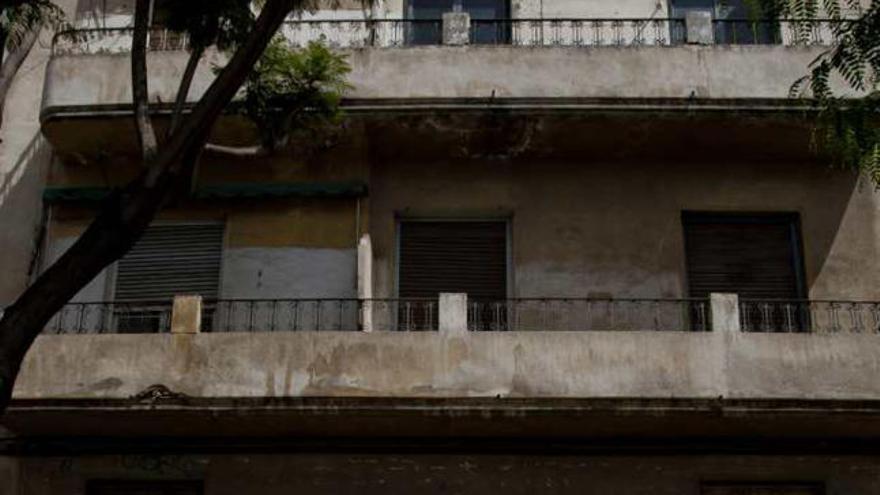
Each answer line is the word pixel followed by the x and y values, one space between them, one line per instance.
pixel 549 425
pixel 663 129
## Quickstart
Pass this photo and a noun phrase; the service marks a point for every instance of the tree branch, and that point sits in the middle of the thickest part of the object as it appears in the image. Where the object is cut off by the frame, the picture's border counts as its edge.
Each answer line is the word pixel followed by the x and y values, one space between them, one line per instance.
pixel 139 86
pixel 242 152
pixel 192 64
pixel 125 215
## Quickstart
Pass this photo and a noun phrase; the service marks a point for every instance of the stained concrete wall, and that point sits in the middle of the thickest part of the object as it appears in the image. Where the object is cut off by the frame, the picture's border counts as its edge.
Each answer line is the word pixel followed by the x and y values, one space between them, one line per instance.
pixel 24 160
pixel 613 229
pixel 465 474
pixel 10 476
pixel 608 72
pixel 515 364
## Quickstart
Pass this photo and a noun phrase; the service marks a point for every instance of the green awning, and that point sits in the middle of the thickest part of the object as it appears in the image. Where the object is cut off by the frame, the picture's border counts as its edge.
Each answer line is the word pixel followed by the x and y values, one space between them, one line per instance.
pixel 350 189
pixel 344 189
pixel 80 194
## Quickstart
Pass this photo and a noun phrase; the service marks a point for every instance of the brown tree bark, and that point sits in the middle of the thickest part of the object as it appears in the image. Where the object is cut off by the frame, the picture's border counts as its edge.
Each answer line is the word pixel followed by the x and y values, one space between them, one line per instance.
pixel 125 215
pixel 192 64
pixel 139 83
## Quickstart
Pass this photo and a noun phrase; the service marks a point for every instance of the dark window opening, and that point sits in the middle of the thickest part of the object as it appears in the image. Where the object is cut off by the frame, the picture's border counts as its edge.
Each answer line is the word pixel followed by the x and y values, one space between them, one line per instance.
pixel 453 256
pixel 489 20
pixel 758 257
pixel 735 21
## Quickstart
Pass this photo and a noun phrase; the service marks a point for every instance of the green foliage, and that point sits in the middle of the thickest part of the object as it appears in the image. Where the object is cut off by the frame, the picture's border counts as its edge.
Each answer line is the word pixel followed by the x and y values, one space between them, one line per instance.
pixel 223 23
pixel 847 130
pixel 847 125
pixel 293 90
pixel 16 22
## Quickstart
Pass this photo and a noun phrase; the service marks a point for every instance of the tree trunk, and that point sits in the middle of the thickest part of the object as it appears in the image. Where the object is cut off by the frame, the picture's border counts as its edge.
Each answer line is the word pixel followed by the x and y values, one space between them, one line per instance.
pixel 125 215
pixel 139 83
pixel 185 83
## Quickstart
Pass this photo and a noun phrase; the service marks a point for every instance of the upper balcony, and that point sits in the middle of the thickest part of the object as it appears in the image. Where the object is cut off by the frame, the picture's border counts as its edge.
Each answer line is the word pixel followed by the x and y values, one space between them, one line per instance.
pixel 523 59
pixel 586 67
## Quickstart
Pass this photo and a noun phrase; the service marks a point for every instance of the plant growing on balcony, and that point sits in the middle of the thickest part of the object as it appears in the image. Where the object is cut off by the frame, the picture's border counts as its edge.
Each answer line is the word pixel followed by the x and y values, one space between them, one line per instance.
pixel 289 92
pixel 284 91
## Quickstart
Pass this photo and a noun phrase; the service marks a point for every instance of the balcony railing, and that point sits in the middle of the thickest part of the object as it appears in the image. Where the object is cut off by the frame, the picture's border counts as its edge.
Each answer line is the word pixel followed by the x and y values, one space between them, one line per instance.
pixel 772 316
pixel 95 41
pixel 510 315
pixel 340 315
pixel 790 32
pixel 577 32
pixel 592 32
pixel 361 33
pixel 112 317
pixel 590 315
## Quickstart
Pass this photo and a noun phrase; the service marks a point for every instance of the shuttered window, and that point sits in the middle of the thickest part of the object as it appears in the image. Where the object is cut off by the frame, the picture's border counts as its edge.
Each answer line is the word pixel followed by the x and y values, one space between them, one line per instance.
pixel 144 488
pixel 172 260
pixel 755 256
pixel 450 256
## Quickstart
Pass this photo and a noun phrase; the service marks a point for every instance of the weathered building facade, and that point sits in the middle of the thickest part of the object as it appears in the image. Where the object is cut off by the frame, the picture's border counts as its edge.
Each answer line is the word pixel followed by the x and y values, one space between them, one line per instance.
pixel 556 247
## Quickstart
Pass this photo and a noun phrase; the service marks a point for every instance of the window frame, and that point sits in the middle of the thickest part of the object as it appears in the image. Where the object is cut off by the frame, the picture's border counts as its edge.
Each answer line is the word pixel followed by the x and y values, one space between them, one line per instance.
pixel 458 6
pixel 771 34
pixel 796 239
pixel 508 255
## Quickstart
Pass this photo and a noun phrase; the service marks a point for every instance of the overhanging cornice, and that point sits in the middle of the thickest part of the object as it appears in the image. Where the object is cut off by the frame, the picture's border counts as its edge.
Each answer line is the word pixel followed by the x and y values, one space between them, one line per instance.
pixel 548 106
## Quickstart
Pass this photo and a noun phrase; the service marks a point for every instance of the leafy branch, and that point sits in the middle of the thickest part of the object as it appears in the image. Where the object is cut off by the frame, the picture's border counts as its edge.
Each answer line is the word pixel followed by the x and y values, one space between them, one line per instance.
pixel 290 91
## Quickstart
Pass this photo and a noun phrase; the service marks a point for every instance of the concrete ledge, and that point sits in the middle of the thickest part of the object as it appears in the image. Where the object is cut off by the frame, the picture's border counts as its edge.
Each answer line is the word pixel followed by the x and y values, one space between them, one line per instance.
pixel 480 72
pixel 430 365
pixel 667 423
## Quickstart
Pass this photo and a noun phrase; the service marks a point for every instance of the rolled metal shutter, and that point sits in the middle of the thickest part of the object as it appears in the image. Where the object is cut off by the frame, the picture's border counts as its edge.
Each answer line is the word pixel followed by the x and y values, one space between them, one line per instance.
pixel 450 256
pixel 755 256
pixel 172 260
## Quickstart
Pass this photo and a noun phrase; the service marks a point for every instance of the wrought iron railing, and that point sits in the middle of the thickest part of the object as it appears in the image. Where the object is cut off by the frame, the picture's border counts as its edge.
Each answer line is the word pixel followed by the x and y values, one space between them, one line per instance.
pixel 590 315
pixel 577 32
pixel 340 315
pixel 779 315
pixel 113 40
pixel 789 32
pixel 358 33
pixel 112 317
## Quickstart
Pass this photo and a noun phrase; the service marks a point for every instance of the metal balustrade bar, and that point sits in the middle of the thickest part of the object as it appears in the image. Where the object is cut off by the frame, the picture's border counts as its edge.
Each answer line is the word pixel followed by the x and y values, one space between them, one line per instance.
pixel 585 314
pixel 522 314
pixel 575 32
pixel 778 315
pixel 112 317
pixel 340 315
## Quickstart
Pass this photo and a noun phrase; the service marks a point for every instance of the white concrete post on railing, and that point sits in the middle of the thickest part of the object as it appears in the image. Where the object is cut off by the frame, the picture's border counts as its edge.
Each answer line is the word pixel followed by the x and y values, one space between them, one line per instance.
pixel 365 281
pixel 452 318
pixel 456 28
pixel 698 24
pixel 186 314
pixel 725 312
